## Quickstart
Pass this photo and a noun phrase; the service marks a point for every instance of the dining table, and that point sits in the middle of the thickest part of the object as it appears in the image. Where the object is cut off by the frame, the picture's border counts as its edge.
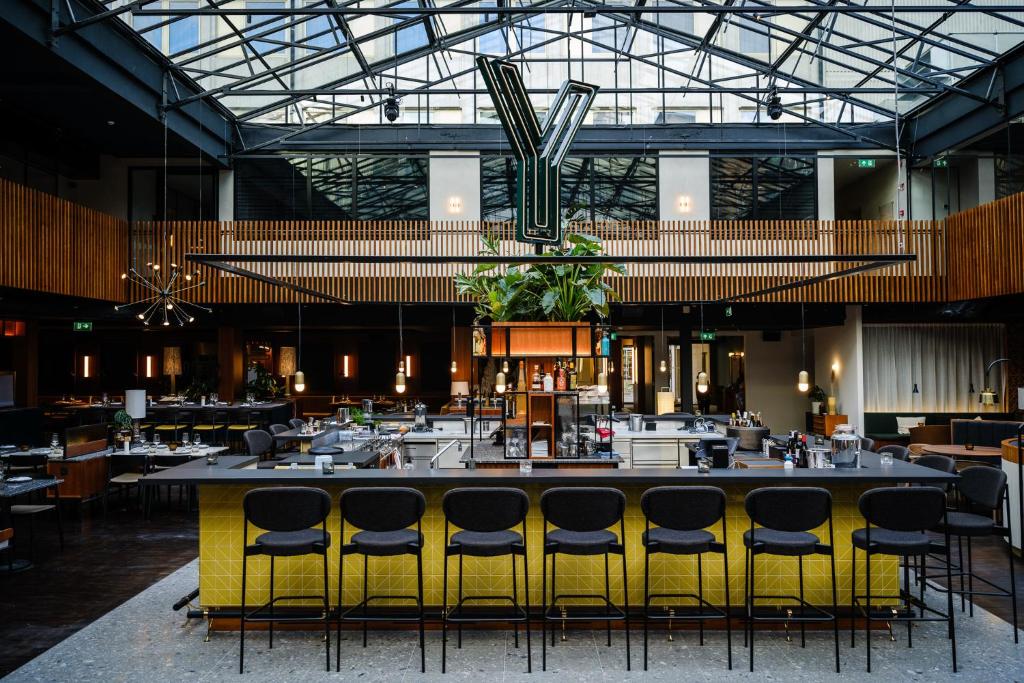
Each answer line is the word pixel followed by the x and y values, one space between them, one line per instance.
pixel 15 487
pixel 961 451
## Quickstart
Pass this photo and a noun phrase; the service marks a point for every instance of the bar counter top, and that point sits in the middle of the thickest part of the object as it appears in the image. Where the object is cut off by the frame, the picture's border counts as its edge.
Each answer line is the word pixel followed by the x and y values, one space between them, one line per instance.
pixel 239 470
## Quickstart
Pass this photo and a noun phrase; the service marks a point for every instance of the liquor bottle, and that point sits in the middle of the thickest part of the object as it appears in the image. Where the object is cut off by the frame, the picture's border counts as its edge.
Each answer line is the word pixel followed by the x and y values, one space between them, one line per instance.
pixel 606 345
pixel 573 379
pixel 561 377
pixel 547 380
pixel 535 381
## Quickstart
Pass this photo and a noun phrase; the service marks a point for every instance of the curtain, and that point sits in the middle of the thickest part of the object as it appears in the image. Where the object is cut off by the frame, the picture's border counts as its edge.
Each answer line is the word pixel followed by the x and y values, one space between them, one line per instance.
pixel 946 362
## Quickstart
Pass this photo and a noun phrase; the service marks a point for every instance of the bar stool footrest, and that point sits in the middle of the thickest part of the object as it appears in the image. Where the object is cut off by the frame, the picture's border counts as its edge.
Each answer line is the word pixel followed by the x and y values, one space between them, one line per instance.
pixel 512 614
pixel 904 612
pixel 380 614
pixel 712 613
pixel 608 611
pixel 819 615
pixel 248 616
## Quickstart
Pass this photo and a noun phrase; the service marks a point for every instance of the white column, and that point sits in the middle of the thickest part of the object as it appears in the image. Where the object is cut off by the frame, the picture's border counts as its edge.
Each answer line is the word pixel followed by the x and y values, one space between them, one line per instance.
pixel 684 186
pixel 454 186
pixel 826 188
pixel 986 180
pixel 226 195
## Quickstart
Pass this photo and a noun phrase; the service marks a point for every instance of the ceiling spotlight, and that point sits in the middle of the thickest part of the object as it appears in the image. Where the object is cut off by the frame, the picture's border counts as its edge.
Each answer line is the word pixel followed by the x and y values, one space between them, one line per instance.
pixel 773 104
pixel 391 110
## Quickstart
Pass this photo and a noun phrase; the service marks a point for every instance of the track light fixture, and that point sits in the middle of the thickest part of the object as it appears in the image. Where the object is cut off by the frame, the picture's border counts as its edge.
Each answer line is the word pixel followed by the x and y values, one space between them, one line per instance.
pixel 391 109
pixel 773 104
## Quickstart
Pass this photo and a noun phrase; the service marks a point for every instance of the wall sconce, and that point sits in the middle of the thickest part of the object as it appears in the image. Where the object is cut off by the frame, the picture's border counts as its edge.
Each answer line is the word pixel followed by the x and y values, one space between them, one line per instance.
pixel 455 205
pixel 87 369
pixel 684 203
pixel 150 367
pixel 408 366
pixel 344 365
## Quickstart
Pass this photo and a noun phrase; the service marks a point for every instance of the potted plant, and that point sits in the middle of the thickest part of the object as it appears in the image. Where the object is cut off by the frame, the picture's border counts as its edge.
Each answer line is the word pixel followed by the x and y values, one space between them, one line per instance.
pixel 262 384
pixel 123 423
pixel 817 396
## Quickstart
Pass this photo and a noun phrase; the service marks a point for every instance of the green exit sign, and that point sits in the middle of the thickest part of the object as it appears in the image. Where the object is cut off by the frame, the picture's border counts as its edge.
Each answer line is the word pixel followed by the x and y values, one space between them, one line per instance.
pixel 707 336
pixel 941 163
pixel 865 163
pixel 82 326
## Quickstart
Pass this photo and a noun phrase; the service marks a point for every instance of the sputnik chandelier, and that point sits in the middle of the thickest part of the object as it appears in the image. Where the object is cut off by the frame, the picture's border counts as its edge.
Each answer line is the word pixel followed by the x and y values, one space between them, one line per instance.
pixel 163 295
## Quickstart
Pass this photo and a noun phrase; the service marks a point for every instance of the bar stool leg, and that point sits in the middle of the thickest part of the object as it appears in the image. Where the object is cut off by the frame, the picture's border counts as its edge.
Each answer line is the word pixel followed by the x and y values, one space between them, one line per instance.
pixel 515 601
pixel 1013 590
pixel 241 625
pixel 554 593
pixel 835 599
pixel 753 558
pixel 700 596
pixel 341 596
pixel 728 607
pixel 608 600
pixel 419 577
pixel 327 615
pixel 906 600
pixel 853 596
pixel 970 576
pixel 867 602
pixel 949 605
pixel 270 630
pixel 459 625
pixel 526 589
pixel 365 574
pixel 625 601
pixel 960 570
pixel 803 625
pixel 647 599
pixel 746 595
pixel 444 614
pixel 544 611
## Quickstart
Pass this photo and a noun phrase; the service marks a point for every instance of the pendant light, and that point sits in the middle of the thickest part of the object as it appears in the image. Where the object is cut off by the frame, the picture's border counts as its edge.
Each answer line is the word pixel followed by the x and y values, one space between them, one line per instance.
pixel 663 367
pixel 803 379
pixel 702 376
pixel 300 376
pixel 455 366
pixel 499 379
pixel 400 375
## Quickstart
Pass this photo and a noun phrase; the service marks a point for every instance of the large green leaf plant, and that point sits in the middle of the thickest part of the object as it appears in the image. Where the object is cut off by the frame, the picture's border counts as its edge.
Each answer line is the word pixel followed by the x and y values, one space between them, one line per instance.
pixel 551 291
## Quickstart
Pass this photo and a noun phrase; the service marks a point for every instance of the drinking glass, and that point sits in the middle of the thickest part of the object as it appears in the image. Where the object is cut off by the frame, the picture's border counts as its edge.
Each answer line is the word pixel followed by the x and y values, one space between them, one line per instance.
pixel 885 459
pixel 525 466
pixel 197 439
pixel 184 439
pixel 156 440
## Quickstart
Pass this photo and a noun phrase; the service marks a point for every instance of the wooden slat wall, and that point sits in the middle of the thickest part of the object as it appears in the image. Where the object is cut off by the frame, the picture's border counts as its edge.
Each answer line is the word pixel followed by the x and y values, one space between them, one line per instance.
pixel 917 282
pixel 51 245
pixel 986 250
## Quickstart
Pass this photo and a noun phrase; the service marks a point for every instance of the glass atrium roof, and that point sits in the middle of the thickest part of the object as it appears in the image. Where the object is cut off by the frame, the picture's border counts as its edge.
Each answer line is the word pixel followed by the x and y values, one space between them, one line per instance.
pixel 316 62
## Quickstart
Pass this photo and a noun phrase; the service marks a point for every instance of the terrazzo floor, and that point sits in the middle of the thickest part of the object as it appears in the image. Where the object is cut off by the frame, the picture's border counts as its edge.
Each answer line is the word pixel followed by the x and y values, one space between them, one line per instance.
pixel 143 641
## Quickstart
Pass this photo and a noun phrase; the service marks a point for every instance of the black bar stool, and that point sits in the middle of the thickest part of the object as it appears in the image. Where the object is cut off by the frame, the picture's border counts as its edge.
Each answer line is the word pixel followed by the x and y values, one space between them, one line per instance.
pixel 383 515
pixel 288 515
pixel 682 515
pixel 897 521
pixel 981 490
pixel 582 517
pixel 786 515
pixel 486 517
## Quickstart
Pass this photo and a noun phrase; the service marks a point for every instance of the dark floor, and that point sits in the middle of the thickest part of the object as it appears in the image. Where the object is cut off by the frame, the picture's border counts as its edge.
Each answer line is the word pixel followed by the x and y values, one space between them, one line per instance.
pixel 105 562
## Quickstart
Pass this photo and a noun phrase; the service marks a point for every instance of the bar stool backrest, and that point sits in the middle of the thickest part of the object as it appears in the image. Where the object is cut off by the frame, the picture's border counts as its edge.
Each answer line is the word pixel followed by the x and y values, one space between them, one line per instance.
pixel 683 508
pixel 382 508
pixel 286 508
pixel 257 441
pixel 789 508
pixel 485 509
pixel 276 429
pixel 942 463
pixel 583 508
pixel 296 422
pixel 898 508
pixel 899 452
pixel 982 485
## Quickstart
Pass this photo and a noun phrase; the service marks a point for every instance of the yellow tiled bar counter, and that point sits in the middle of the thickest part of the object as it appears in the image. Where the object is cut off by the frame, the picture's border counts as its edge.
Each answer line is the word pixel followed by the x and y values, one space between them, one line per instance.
pixel 222 487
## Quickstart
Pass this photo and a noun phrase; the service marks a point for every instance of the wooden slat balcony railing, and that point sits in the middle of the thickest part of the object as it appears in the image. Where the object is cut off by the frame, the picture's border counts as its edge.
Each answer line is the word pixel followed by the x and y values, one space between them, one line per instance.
pixel 923 280
pixel 48 244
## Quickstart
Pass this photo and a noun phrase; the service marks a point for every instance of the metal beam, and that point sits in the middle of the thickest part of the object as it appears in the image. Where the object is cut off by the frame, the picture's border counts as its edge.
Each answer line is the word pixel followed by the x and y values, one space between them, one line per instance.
pixel 118 59
pixel 951 120
pixel 733 138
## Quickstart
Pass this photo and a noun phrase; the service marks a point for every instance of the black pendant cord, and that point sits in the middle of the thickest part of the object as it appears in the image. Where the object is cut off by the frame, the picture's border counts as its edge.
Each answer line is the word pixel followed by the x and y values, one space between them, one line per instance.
pixel 299 353
pixel 401 342
pixel 803 338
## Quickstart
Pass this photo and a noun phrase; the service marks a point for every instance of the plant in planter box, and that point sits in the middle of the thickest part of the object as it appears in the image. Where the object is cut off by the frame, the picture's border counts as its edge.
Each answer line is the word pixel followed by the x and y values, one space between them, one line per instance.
pixel 817 396
pixel 123 424
pixel 262 384
pixel 541 292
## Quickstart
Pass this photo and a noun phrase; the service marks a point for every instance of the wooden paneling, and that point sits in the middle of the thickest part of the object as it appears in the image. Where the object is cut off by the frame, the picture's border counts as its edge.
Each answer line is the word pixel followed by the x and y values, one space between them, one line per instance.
pixel 986 250
pixel 921 281
pixel 50 245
